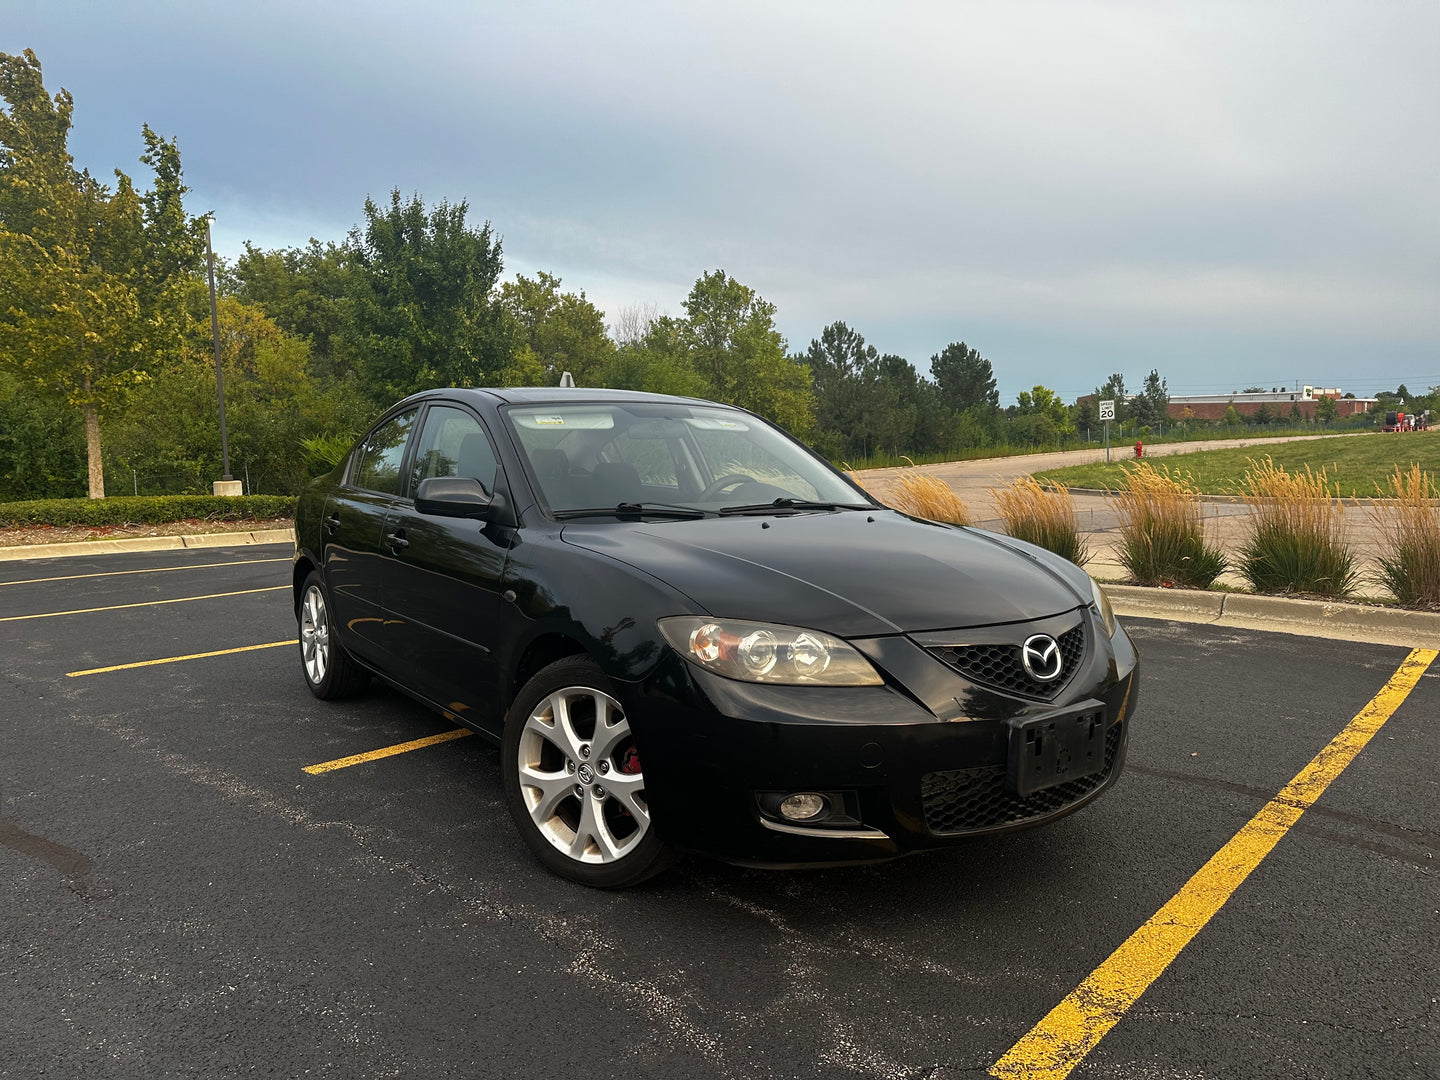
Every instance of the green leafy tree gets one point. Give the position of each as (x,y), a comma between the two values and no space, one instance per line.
(730,339)
(89,277)
(422,307)
(305,290)
(169,433)
(657,361)
(965,378)
(1325,408)
(561,331)
(1042,401)
(1232,416)
(853,403)
(1152,405)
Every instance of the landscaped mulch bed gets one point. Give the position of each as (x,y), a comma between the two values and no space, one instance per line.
(24,535)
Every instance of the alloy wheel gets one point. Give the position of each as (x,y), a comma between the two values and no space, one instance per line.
(315,635)
(580,776)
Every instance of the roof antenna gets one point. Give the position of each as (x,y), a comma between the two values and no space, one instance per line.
(567,379)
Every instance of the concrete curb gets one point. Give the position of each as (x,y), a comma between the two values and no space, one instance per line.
(146,543)
(1281,614)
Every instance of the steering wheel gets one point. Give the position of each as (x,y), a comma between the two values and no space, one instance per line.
(729,480)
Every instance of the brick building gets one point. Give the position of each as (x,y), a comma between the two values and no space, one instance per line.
(1279,400)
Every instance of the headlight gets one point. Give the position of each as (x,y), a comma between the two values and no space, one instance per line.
(1102,604)
(766,653)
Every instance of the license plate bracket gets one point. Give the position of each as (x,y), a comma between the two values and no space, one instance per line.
(1055,748)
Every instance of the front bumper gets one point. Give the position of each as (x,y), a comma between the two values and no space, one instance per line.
(923,757)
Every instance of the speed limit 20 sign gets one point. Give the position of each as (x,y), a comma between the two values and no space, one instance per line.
(1107,409)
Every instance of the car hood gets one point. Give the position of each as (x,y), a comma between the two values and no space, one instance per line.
(850,573)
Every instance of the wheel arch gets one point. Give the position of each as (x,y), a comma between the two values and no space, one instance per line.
(303,568)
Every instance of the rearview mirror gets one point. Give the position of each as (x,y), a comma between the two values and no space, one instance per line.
(454,496)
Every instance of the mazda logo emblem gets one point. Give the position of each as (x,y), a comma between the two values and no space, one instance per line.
(1041,656)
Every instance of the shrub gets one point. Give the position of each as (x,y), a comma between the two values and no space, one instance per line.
(1042,517)
(1162,540)
(1409,527)
(146,509)
(925,496)
(1297,533)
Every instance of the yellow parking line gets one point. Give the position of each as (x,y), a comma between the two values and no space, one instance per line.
(153,570)
(177,659)
(386,751)
(146,603)
(1058,1043)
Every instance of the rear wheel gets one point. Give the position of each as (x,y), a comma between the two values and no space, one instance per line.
(573,779)
(329,671)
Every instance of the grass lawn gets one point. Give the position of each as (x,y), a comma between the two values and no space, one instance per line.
(1356,463)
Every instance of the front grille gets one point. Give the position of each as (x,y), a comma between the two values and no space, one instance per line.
(966,800)
(999,666)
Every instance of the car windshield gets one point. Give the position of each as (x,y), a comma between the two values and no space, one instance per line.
(588,456)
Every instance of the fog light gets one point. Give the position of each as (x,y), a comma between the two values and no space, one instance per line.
(802,807)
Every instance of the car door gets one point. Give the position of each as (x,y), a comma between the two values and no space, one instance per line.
(442,575)
(353,542)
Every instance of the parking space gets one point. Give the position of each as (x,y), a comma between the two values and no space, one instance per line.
(183,897)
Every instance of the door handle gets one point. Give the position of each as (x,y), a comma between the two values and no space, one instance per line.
(332,523)
(397,541)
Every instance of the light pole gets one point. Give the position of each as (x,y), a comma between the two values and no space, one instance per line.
(219,375)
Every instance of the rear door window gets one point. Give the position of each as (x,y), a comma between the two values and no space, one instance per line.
(378,468)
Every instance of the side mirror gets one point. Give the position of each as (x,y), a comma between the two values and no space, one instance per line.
(455,496)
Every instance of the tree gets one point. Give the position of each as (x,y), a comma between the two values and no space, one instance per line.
(852,402)
(1042,401)
(965,378)
(88,277)
(1253,390)
(1232,416)
(563,331)
(306,291)
(1262,415)
(1152,405)
(1325,408)
(423,311)
(730,339)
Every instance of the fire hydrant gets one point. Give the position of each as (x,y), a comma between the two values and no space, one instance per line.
(1139,449)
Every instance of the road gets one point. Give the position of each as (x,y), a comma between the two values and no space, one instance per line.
(182,899)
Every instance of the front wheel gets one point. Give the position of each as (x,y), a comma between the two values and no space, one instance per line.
(329,671)
(573,779)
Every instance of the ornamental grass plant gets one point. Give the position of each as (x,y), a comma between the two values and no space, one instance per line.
(1409,525)
(1296,541)
(923,496)
(1042,517)
(1162,539)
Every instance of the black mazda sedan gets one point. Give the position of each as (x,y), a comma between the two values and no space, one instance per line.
(688,632)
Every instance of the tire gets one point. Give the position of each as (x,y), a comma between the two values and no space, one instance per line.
(329,670)
(573,781)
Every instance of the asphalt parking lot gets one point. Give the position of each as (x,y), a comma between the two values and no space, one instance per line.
(182,898)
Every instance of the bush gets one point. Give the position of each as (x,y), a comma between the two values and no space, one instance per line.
(1297,534)
(1409,561)
(1046,518)
(1162,541)
(926,497)
(146,509)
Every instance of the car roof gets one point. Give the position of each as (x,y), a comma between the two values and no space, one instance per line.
(551,395)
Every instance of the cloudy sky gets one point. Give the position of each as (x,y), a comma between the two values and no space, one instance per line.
(1231,194)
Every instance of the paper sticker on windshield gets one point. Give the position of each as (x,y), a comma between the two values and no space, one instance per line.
(713,423)
(550,420)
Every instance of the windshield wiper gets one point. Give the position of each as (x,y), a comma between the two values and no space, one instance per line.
(632,509)
(792,505)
